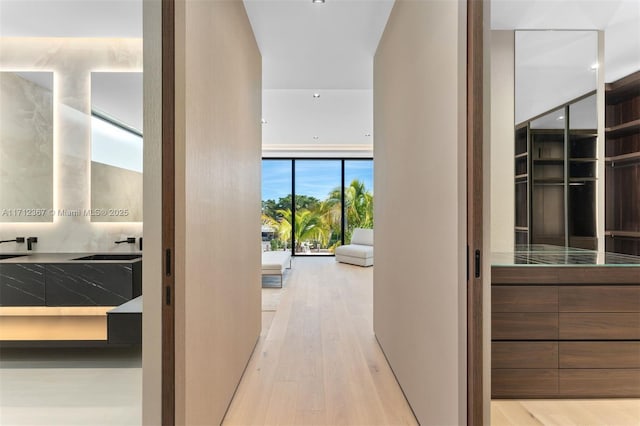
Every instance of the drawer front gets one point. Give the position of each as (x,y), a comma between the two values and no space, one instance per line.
(599,383)
(599,355)
(524,355)
(22,284)
(599,298)
(89,284)
(524,326)
(524,298)
(516,383)
(599,326)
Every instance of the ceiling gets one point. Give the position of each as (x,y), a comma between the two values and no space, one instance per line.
(328,49)
(71,18)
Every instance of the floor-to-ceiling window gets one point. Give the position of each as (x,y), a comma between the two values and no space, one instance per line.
(358,196)
(311,206)
(276,205)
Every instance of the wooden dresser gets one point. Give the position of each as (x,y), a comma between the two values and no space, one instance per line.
(565,330)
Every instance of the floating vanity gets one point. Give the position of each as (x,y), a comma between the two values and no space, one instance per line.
(64,297)
(565,324)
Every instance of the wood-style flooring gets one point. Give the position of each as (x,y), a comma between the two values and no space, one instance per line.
(318,363)
(588,412)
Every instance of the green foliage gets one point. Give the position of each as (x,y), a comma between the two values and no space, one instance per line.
(317,223)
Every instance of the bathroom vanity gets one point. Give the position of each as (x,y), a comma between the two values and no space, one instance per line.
(565,323)
(64,297)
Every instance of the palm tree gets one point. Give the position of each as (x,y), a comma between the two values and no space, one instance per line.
(358,207)
(308,226)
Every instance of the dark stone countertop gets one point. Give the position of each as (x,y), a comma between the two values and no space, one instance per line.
(34,257)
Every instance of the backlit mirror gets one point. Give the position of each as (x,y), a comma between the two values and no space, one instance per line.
(116,146)
(26,146)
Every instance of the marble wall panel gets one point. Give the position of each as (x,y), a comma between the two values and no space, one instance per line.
(26,150)
(72,60)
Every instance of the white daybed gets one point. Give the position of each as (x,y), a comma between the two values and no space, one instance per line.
(275,262)
(360,251)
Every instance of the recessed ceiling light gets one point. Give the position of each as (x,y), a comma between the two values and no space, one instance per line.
(317,1)
(316,95)
(316,138)
(561,117)
(263,121)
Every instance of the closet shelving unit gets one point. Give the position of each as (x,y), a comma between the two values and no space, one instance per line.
(622,165)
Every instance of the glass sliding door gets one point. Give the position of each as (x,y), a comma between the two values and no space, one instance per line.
(276,205)
(318,206)
(358,196)
(311,206)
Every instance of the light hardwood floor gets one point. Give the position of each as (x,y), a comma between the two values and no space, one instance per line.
(318,363)
(609,412)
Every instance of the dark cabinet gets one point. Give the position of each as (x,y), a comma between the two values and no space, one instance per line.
(22,284)
(563,332)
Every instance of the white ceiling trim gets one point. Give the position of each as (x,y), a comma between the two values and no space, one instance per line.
(326,150)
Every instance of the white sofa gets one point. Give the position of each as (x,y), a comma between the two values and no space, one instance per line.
(360,251)
(275,262)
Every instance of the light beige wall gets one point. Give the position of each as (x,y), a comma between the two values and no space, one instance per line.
(218,137)
(420,210)
(502,140)
(71,60)
(152,216)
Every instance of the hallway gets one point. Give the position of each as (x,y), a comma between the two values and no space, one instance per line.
(318,362)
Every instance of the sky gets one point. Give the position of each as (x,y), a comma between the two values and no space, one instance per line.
(316,178)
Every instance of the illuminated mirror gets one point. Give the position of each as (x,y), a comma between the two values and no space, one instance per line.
(26,146)
(116,146)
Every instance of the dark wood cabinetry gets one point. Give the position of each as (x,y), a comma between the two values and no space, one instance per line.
(565,331)
(622,172)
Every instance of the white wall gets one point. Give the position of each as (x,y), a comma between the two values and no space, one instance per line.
(218,163)
(420,210)
(71,60)
(502,140)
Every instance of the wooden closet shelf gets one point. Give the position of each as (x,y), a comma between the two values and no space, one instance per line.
(633,234)
(623,129)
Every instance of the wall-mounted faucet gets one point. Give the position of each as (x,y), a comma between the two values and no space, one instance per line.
(129,240)
(30,241)
(17,240)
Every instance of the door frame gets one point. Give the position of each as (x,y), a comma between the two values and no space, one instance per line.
(474,121)
(168,213)
(475,129)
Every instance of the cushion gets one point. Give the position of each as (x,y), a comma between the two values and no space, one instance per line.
(275,260)
(362,236)
(355,250)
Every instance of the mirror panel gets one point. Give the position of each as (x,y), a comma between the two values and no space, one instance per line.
(116,146)
(552,68)
(26,146)
(556,138)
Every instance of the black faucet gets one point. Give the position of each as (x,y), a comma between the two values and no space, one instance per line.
(129,240)
(17,240)
(30,241)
